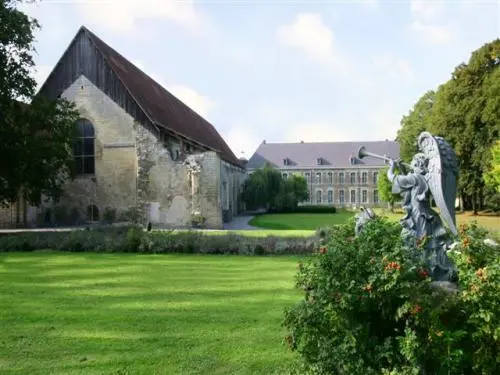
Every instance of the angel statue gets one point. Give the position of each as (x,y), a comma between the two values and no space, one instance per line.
(434,173)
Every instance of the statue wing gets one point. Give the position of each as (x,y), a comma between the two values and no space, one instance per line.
(442,175)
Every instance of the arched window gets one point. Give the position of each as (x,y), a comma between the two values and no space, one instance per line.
(318,196)
(84,147)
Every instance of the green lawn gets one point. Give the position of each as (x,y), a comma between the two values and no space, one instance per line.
(305,222)
(143,314)
(263,232)
(300,221)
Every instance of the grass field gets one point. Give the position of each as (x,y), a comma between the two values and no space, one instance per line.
(143,314)
(305,222)
(300,221)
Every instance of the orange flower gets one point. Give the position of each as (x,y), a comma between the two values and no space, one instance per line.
(481,273)
(423,273)
(416,309)
(393,266)
(465,242)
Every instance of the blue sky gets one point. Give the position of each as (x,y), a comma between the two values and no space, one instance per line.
(283,71)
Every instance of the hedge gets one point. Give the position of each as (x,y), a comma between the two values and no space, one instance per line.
(136,240)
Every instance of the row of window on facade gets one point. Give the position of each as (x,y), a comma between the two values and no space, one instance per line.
(321,161)
(352,179)
(343,198)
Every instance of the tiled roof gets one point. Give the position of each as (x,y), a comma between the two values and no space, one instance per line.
(163,108)
(332,154)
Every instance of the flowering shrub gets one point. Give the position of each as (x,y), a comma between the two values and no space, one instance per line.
(369,307)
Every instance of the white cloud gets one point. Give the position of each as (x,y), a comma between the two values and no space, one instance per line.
(435,34)
(427,22)
(125,15)
(309,34)
(199,103)
(425,9)
(242,139)
(396,68)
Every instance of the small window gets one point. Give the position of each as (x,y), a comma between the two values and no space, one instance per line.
(341,178)
(353,196)
(92,213)
(285,161)
(308,176)
(375,196)
(318,178)
(364,177)
(330,196)
(330,178)
(285,175)
(319,161)
(318,196)
(375,178)
(341,196)
(352,178)
(364,196)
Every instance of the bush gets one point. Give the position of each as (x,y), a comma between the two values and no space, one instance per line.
(134,239)
(369,307)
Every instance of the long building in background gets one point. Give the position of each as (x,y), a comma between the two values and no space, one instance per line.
(334,174)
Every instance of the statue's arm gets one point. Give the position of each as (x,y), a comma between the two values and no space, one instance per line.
(400,182)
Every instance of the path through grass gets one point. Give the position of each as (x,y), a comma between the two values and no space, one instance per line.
(143,314)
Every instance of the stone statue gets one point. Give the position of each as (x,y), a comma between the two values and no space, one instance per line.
(434,174)
(364,216)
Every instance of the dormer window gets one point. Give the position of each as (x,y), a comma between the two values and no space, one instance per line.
(286,161)
(352,160)
(319,161)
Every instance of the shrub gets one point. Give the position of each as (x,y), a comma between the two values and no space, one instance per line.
(134,239)
(369,307)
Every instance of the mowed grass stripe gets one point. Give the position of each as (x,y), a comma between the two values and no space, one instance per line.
(144,314)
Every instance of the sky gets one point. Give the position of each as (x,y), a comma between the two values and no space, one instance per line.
(282,70)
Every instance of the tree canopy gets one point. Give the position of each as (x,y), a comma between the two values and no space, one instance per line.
(36,133)
(465,110)
(266,188)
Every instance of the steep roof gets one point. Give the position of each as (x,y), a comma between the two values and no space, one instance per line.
(332,154)
(161,107)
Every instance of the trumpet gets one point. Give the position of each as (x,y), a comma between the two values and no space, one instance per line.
(362,153)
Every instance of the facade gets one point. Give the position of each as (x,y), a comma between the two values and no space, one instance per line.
(334,173)
(140,151)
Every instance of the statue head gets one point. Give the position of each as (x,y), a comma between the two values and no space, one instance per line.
(365,215)
(419,163)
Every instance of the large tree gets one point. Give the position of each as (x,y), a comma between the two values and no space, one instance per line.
(466,111)
(266,188)
(415,122)
(36,133)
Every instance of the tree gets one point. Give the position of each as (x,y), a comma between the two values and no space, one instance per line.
(466,111)
(266,188)
(36,133)
(415,122)
(492,176)
(384,187)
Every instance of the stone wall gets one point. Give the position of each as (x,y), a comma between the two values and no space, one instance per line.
(231,181)
(114,184)
(136,175)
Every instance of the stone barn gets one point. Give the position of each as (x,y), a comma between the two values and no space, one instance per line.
(140,151)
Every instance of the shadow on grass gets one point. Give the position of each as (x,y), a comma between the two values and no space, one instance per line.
(100,313)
